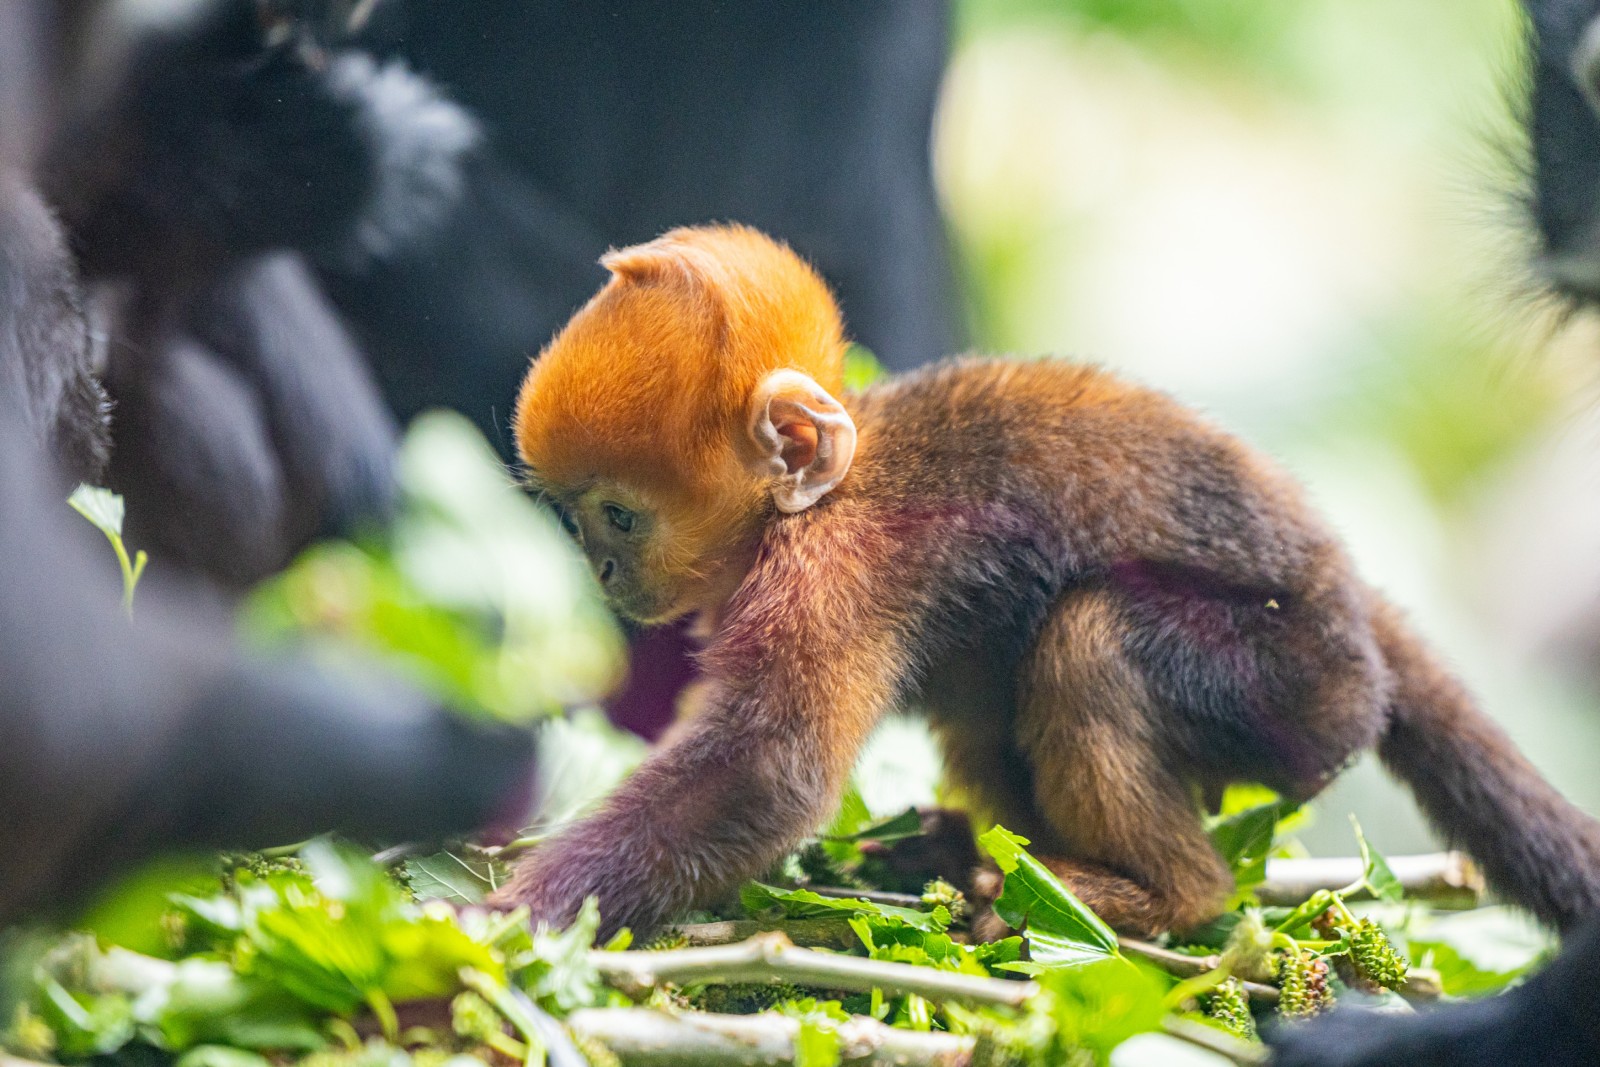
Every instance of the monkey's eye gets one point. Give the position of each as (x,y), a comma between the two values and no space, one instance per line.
(568,523)
(619,517)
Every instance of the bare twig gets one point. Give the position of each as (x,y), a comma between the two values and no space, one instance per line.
(504,852)
(644,1038)
(1422,983)
(773,958)
(1185,966)
(877,896)
(1213,1040)
(816,933)
(1443,879)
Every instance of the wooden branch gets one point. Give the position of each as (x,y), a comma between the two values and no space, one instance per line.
(1213,1040)
(771,958)
(828,933)
(877,896)
(816,933)
(1443,879)
(641,1037)
(1186,966)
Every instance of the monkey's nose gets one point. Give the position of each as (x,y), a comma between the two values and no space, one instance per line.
(606,570)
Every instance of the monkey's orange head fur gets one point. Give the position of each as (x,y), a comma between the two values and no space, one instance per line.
(647,390)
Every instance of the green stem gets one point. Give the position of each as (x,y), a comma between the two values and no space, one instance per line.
(140,558)
(383,1008)
(507,1046)
(130,570)
(1191,988)
(344,1033)
(503,1002)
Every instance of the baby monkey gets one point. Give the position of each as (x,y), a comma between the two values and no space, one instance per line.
(1108,607)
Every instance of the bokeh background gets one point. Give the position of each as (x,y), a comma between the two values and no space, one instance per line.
(1304,218)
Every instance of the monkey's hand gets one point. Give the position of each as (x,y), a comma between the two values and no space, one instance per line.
(716,808)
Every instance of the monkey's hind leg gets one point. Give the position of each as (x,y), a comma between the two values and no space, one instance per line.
(1128,828)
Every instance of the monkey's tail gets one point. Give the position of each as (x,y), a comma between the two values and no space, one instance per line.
(1535,848)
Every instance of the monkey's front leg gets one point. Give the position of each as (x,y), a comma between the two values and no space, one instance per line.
(711,810)
(752,774)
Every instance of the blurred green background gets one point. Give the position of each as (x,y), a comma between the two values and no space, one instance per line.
(1303,217)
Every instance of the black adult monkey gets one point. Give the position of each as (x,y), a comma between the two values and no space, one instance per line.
(118,741)
(46,356)
(200,162)
(1551,1021)
(608,122)
(234,128)
(1563,119)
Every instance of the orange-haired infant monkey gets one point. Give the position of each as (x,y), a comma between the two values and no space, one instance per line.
(1108,607)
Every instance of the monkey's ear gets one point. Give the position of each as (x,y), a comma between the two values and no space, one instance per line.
(802,436)
(654,261)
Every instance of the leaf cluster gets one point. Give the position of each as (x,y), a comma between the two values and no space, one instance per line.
(473,591)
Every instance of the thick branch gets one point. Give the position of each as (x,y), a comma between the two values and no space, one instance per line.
(772,958)
(1443,879)
(644,1038)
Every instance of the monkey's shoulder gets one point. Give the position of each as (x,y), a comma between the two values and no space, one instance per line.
(1092,449)
(1049,400)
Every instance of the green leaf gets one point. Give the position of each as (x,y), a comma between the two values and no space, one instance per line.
(128,914)
(1482,950)
(817,1041)
(895,828)
(207,1002)
(816,1044)
(105,510)
(474,592)
(889,939)
(1061,930)
(1098,1006)
(446,876)
(85,1025)
(1375,870)
(758,897)
(100,506)
(1460,976)
(852,816)
(557,972)
(1244,839)
(221,1056)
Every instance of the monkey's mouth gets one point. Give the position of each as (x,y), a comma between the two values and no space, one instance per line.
(643,606)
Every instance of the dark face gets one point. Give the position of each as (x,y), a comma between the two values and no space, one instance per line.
(1564,130)
(619,532)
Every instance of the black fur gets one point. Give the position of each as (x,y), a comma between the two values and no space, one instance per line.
(608,123)
(46,357)
(1564,136)
(119,741)
(247,424)
(1552,1021)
